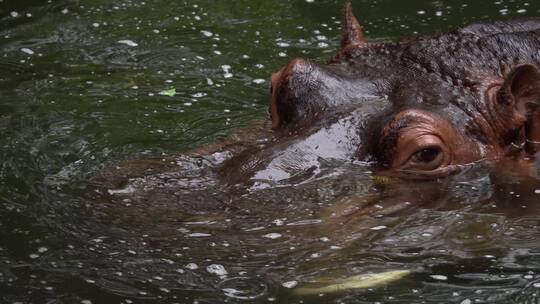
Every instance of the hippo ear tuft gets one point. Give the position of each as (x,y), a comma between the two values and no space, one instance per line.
(353,33)
(521,88)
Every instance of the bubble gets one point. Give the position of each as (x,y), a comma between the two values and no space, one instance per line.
(243,288)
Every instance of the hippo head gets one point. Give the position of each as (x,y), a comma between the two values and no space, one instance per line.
(439,103)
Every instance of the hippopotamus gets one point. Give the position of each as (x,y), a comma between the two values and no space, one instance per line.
(421,108)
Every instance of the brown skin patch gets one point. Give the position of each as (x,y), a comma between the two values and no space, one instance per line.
(533,132)
(422,142)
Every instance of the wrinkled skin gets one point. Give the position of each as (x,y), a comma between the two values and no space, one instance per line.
(424,108)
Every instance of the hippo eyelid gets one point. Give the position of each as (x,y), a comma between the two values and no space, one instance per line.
(390,135)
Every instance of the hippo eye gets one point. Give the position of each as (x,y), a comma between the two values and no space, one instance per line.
(426,159)
(421,153)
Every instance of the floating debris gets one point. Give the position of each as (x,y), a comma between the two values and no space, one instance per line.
(290,284)
(128,42)
(169,92)
(355,282)
(381,181)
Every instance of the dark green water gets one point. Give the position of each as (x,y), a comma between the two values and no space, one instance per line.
(79,92)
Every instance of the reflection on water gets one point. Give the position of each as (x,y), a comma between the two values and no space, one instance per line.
(79,95)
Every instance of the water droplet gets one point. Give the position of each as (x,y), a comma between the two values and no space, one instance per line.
(192,266)
(199,235)
(439,277)
(322,44)
(217,269)
(272,236)
(27,51)
(199,95)
(290,284)
(128,42)
(207,33)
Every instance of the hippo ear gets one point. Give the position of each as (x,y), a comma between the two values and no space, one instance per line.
(353,33)
(521,89)
(519,97)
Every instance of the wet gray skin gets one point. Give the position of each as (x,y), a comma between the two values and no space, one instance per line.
(86,216)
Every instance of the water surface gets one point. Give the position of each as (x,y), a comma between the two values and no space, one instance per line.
(80,85)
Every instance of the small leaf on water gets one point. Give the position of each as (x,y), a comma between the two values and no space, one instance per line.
(381,180)
(169,92)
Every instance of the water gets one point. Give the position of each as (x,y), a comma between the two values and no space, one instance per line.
(86,85)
